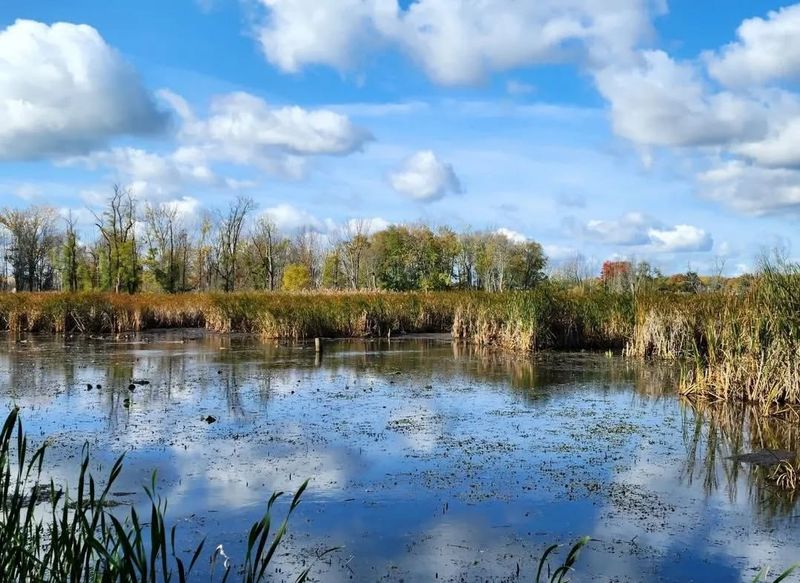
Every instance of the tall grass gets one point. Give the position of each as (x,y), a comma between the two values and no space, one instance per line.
(751,351)
(547,317)
(277,315)
(50,535)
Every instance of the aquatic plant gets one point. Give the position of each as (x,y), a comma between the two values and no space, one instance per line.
(50,534)
(558,574)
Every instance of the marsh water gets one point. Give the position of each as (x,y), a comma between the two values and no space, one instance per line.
(429,460)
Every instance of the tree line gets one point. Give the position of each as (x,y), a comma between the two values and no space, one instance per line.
(135,246)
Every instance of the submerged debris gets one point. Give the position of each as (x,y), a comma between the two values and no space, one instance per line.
(764,457)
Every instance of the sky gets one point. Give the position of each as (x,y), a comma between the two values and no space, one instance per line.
(658,130)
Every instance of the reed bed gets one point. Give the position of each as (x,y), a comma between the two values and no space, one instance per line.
(734,346)
(547,317)
(274,315)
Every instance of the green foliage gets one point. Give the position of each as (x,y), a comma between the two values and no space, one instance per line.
(333,276)
(296,277)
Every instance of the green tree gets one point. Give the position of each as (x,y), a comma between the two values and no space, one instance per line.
(69,256)
(296,277)
(119,261)
(333,276)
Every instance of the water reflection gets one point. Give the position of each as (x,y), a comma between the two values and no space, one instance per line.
(429,458)
(715,433)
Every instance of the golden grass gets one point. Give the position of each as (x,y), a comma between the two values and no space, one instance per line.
(277,315)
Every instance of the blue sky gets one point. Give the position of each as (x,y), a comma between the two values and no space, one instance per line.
(660,130)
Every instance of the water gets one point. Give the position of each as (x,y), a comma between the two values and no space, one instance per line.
(428,460)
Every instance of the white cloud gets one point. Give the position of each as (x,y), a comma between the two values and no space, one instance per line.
(290,218)
(680,238)
(511,235)
(243,129)
(777,150)
(766,50)
(454,41)
(752,189)
(247,123)
(369,226)
(63,91)
(143,165)
(27,191)
(664,103)
(148,174)
(560,253)
(631,229)
(640,230)
(295,33)
(186,207)
(425,177)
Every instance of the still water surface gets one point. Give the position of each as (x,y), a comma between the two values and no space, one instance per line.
(428,460)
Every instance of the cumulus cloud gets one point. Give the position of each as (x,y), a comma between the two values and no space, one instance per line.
(638,229)
(367,226)
(247,123)
(425,177)
(137,164)
(240,129)
(243,129)
(752,189)
(778,149)
(661,102)
(454,41)
(767,49)
(511,235)
(631,229)
(64,91)
(290,218)
(680,238)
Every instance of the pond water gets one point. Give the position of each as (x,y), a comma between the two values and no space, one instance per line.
(429,460)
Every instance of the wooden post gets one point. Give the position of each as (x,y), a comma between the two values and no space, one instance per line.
(317,345)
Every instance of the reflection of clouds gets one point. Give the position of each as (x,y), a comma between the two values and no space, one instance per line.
(239,474)
(419,427)
(412,426)
(687,517)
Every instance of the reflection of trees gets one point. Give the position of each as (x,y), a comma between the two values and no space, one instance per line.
(714,432)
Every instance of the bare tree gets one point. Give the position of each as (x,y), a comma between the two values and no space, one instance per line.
(306,250)
(354,244)
(269,249)
(117,226)
(167,242)
(576,270)
(33,240)
(70,254)
(228,240)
